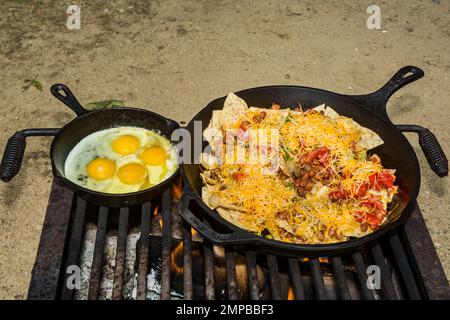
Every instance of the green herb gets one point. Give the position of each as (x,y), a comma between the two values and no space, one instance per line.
(287,152)
(106,104)
(32,83)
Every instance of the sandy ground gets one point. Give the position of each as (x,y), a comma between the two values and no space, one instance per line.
(173,57)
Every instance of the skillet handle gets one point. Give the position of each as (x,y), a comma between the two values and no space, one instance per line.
(376,101)
(431,148)
(15,148)
(63,94)
(233,238)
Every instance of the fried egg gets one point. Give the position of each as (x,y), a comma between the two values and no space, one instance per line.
(121,160)
(131,175)
(118,142)
(159,158)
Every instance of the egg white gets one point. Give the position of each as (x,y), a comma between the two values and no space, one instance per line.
(104,143)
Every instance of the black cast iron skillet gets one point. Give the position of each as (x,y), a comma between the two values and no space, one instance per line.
(368,110)
(68,136)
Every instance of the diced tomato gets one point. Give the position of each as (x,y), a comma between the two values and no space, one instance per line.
(276,106)
(340,194)
(320,154)
(373,203)
(373,220)
(383,179)
(238,175)
(386,179)
(373,179)
(360,216)
(361,189)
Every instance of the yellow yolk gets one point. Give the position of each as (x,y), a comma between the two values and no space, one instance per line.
(132,173)
(154,156)
(125,144)
(101,169)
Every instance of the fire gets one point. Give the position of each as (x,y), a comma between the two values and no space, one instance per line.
(193,232)
(155,214)
(176,253)
(321,260)
(324,260)
(177,190)
(291,295)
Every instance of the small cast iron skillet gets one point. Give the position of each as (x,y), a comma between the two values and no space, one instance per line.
(68,136)
(369,110)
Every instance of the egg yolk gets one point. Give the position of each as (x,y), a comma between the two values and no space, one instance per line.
(101,169)
(125,144)
(154,156)
(132,173)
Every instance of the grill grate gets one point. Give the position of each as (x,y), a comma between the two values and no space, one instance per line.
(147,252)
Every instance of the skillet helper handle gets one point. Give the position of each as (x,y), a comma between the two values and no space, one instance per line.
(431,148)
(15,148)
(63,94)
(376,101)
(233,238)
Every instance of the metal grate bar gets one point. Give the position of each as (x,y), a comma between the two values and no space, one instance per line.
(318,283)
(76,236)
(144,245)
(362,276)
(252,275)
(166,245)
(231,274)
(120,254)
(341,279)
(97,261)
(296,279)
(404,267)
(386,276)
(187,262)
(274,276)
(209,270)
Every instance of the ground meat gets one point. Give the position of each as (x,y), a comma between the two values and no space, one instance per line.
(259,117)
(215,173)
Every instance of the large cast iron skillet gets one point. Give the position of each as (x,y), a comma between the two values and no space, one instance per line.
(84,124)
(368,110)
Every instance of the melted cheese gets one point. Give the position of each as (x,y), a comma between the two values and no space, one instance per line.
(313,218)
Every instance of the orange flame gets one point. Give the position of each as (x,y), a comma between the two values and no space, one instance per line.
(291,295)
(176,253)
(177,190)
(155,211)
(193,232)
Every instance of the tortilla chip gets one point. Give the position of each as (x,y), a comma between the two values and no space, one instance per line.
(205,196)
(327,111)
(369,139)
(233,109)
(213,133)
(233,217)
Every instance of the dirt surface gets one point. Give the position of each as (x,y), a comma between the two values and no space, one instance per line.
(174,57)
